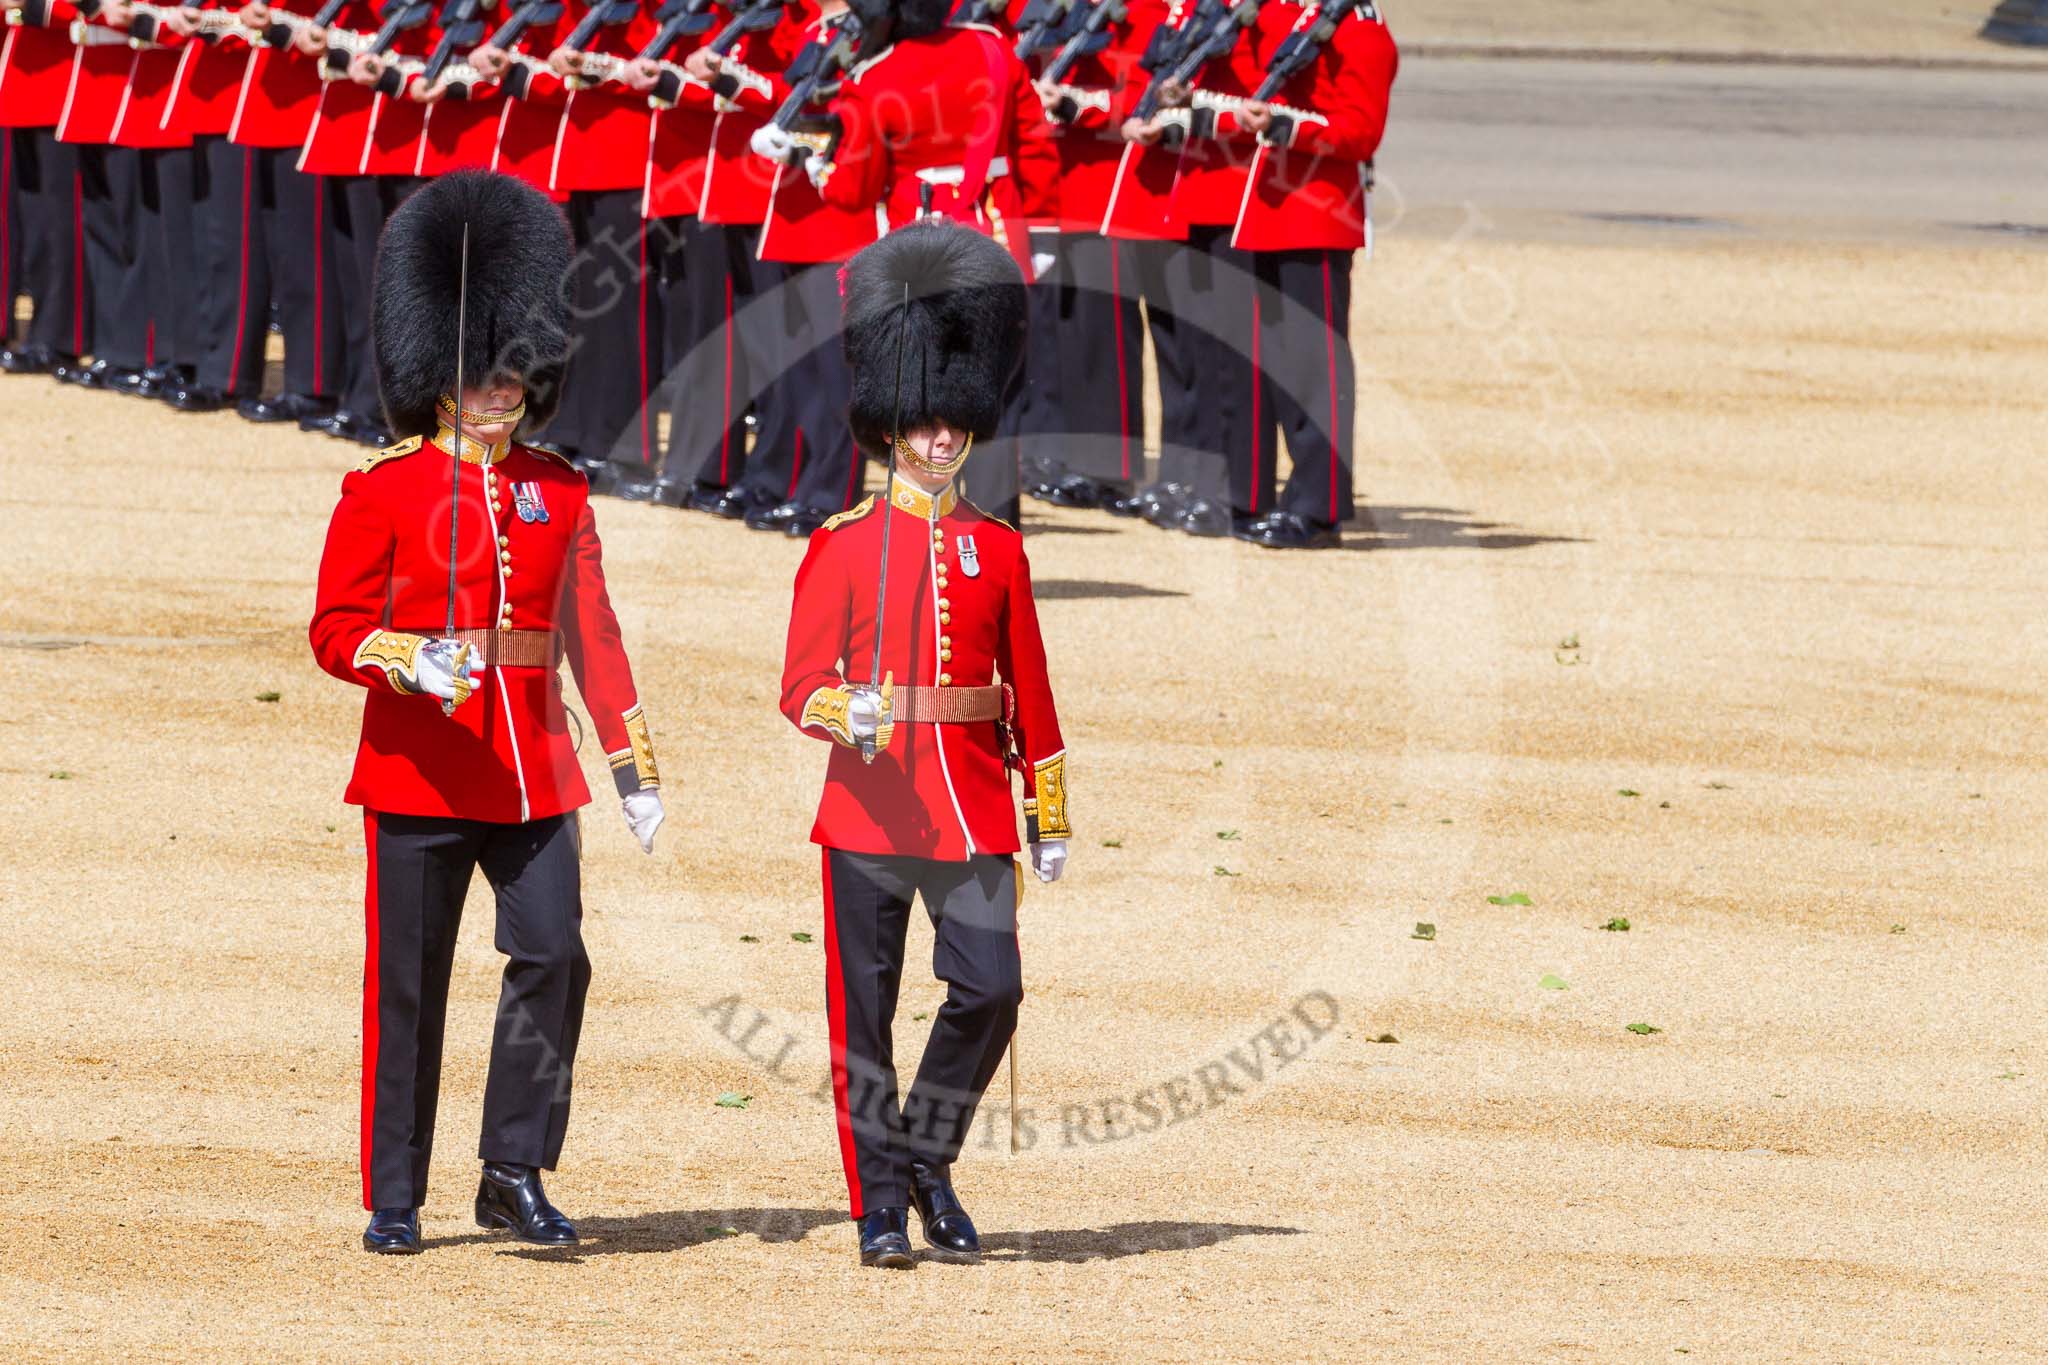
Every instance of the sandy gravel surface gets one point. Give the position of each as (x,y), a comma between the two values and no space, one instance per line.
(1700,587)
(1925,30)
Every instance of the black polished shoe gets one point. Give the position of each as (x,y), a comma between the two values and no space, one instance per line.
(885,1239)
(1205,518)
(67,370)
(1292,531)
(948,1231)
(603,475)
(135,383)
(286,407)
(731,503)
(368,433)
(776,518)
(100,374)
(393,1232)
(1151,503)
(1078,490)
(803,523)
(340,423)
(27,360)
(195,398)
(510,1197)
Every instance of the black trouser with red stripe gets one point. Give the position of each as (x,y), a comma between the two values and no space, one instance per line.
(420,868)
(110,181)
(803,449)
(615,335)
(11,285)
(707,277)
(1096,344)
(50,239)
(1307,382)
(1199,296)
(168,256)
(358,206)
(973,908)
(260,230)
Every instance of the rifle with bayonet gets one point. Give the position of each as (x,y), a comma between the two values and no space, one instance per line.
(285,26)
(148,23)
(462,28)
(1090,38)
(1040,25)
(815,76)
(603,14)
(748,16)
(518,78)
(344,47)
(1177,61)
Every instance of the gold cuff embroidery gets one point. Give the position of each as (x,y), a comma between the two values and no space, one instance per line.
(396,653)
(1050,788)
(827,710)
(642,752)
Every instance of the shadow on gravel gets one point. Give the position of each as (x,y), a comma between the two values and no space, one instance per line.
(1081,589)
(1437,528)
(1118,1241)
(672,1231)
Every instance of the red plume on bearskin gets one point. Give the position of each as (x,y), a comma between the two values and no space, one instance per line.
(518,319)
(962,332)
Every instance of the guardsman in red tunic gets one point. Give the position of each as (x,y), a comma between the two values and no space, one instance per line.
(466,760)
(45,240)
(914,650)
(110,209)
(1303,220)
(287,254)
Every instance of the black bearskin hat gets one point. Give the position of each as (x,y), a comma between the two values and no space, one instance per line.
(916,18)
(518,321)
(877,25)
(962,332)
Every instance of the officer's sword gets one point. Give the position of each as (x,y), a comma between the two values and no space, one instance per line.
(868,746)
(455,479)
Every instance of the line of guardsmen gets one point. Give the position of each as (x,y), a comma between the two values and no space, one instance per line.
(176,178)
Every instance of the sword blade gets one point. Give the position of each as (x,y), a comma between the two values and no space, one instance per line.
(455,476)
(867,748)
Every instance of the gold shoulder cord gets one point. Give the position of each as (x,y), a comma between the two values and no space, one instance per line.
(866,506)
(390,452)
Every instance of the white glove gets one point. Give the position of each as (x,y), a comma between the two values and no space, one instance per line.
(771,142)
(644,816)
(1049,859)
(436,674)
(1042,263)
(864,714)
(817,169)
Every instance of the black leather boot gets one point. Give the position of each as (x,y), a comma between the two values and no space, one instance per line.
(393,1232)
(885,1239)
(510,1197)
(948,1231)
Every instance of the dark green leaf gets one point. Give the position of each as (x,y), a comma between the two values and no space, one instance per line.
(1644,1030)
(801,937)
(1223,871)
(268,696)
(749,938)
(1424,931)
(1617,925)
(1226,834)
(1112,843)
(1386,1038)
(1628,791)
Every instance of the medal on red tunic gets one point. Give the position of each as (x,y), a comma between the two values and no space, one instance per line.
(970,558)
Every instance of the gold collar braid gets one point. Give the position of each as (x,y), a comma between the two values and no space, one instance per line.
(478,419)
(926,506)
(473,450)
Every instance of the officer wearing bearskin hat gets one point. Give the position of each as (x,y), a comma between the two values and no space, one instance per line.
(914,649)
(461,567)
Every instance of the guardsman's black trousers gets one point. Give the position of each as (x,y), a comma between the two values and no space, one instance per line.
(420,868)
(973,908)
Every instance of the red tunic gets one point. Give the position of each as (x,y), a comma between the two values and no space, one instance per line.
(209,82)
(1311,191)
(954,113)
(937,791)
(279,93)
(35,71)
(98,86)
(603,140)
(506,754)
(799,226)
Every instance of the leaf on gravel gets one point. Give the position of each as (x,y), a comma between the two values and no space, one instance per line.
(732,1099)
(1223,871)
(1617,925)
(1217,764)
(1112,843)
(1627,791)
(1512,898)
(801,937)
(1553,982)
(330,829)
(916,1018)
(750,938)
(1226,834)
(1386,1038)
(269,696)
(1898,928)
(1717,786)
(60,776)
(1644,1030)
(1569,642)
(721,1232)
(1423,931)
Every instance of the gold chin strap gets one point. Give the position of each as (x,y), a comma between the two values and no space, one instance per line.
(481,419)
(929,465)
